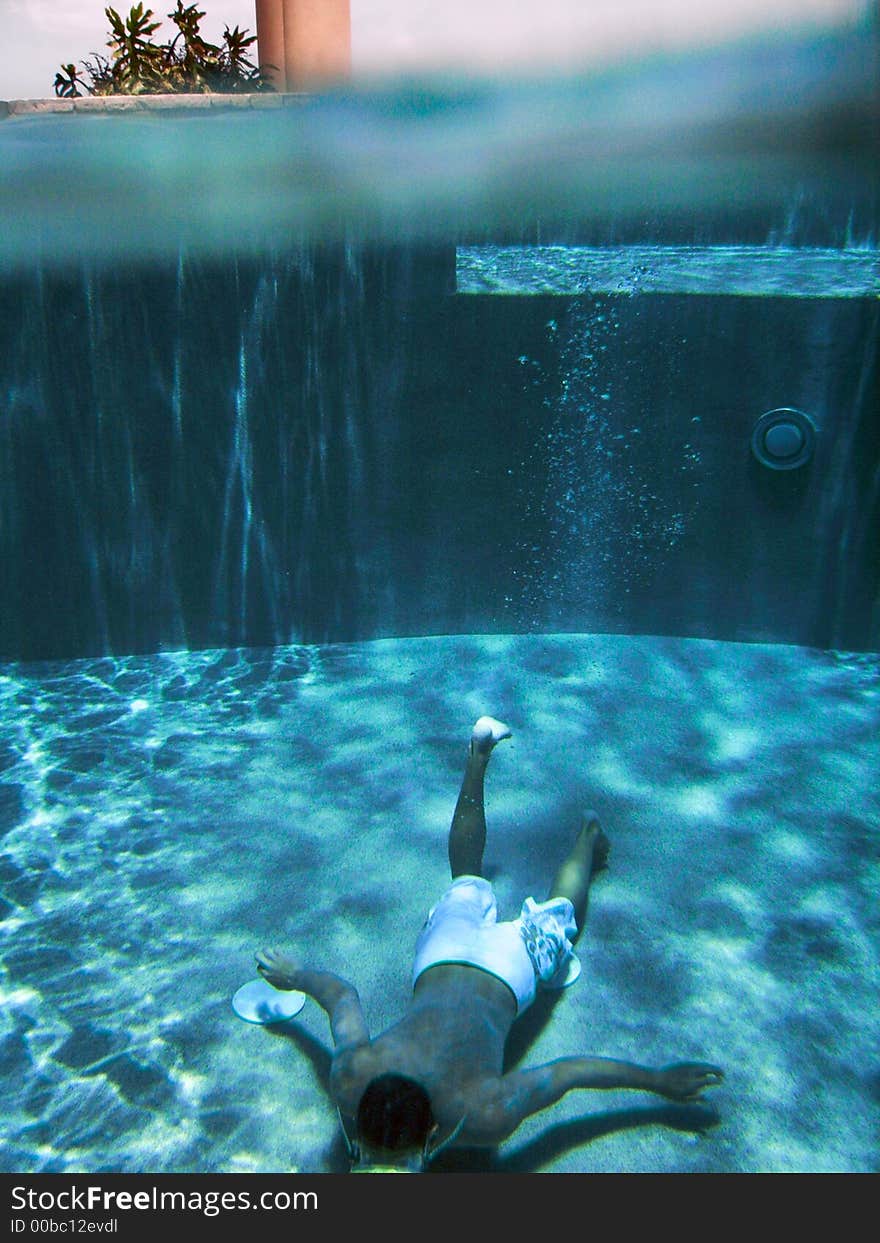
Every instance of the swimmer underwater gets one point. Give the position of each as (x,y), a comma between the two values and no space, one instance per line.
(435,1079)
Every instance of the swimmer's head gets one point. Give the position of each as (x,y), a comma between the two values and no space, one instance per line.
(395,1126)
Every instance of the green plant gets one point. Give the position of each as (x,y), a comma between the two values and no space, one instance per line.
(187,63)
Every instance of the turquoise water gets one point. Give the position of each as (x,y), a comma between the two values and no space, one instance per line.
(203,412)
(165,816)
(761,143)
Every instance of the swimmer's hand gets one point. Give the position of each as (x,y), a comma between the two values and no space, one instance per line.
(333,994)
(686,1081)
(277,970)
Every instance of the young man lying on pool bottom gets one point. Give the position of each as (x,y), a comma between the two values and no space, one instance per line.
(436,1077)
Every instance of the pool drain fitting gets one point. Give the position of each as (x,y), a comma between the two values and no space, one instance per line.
(783,439)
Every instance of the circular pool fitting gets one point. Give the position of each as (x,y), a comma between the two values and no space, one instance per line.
(783,439)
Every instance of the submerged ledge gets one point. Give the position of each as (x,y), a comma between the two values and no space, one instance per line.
(779,272)
(97,104)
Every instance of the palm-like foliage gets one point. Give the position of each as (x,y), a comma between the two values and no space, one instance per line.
(188,63)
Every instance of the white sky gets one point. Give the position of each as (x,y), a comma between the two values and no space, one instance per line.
(418,36)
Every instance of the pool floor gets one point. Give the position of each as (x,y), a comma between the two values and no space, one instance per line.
(163,817)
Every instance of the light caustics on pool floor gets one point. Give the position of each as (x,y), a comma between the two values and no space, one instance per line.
(163,816)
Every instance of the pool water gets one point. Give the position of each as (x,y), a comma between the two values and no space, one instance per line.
(330,427)
(165,816)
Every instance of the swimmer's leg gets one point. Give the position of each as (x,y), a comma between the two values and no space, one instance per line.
(467,835)
(588,856)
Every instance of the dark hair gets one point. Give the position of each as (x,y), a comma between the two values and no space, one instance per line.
(395,1114)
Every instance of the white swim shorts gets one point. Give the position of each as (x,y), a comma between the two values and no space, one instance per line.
(535,948)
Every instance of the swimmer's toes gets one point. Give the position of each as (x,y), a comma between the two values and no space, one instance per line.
(601,851)
(601,844)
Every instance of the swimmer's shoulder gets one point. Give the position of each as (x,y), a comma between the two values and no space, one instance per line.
(352,1069)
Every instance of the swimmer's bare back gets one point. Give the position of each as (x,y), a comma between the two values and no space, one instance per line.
(451,1040)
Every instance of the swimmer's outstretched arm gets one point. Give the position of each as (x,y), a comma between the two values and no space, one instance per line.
(333,994)
(526,1092)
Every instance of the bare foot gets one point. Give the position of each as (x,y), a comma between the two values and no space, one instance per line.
(601,844)
(486,733)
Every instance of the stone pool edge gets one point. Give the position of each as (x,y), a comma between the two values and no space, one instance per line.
(101,104)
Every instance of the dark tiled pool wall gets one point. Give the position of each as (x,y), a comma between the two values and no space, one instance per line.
(330,445)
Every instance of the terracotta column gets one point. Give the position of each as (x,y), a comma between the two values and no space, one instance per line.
(308,42)
(317,42)
(270,41)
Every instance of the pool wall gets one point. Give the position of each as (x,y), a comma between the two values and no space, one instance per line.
(332,444)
